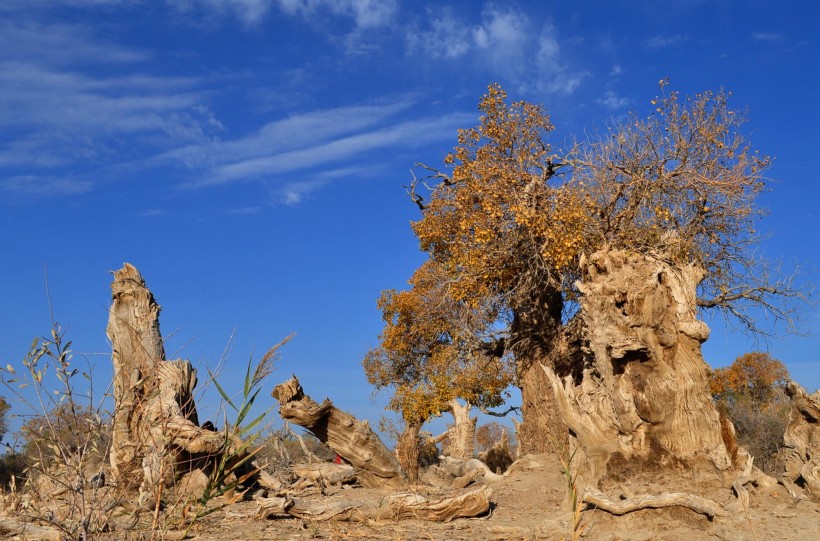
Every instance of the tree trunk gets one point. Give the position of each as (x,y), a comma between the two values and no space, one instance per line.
(535,331)
(156,436)
(801,451)
(407,450)
(541,429)
(353,440)
(642,394)
(462,433)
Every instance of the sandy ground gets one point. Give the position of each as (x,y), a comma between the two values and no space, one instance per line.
(532,503)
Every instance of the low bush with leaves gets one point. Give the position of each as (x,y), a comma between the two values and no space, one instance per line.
(65,441)
(749,392)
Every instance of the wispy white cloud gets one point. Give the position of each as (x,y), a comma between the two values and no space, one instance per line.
(612,101)
(285,135)
(661,42)
(296,187)
(445,36)
(62,111)
(338,150)
(44,186)
(249,12)
(502,42)
(61,44)
(365,14)
(766,36)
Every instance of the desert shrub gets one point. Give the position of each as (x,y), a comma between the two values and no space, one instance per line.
(67,429)
(493,446)
(13,466)
(749,392)
(281,448)
(759,430)
(4,409)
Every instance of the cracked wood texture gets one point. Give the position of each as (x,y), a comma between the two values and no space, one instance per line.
(156,429)
(464,504)
(353,440)
(801,450)
(639,387)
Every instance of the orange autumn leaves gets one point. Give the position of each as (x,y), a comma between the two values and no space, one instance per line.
(430,349)
(755,377)
(512,216)
(499,215)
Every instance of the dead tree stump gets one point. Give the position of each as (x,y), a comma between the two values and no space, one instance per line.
(801,451)
(156,430)
(353,440)
(639,387)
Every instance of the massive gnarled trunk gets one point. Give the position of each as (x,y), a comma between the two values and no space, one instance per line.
(156,438)
(642,391)
(801,451)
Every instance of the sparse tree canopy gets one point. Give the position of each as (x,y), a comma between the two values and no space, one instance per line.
(506,227)
(754,377)
(435,348)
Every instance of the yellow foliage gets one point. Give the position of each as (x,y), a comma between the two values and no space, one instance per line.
(754,376)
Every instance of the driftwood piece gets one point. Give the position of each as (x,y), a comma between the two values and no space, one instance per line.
(13,530)
(405,505)
(640,386)
(156,434)
(325,471)
(802,440)
(353,440)
(668,499)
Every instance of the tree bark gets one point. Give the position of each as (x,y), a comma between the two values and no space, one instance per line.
(156,438)
(801,451)
(353,440)
(535,332)
(462,432)
(642,389)
(408,451)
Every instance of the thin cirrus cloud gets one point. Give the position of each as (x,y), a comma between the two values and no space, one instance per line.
(334,152)
(503,42)
(58,109)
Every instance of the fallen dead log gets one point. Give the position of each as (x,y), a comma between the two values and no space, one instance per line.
(404,505)
(654,501)
(326,471)
(353,440)
(13,529)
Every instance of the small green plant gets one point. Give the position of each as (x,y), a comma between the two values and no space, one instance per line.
(578,526)
(234,466)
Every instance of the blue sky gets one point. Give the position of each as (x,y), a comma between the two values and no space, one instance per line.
(248,156)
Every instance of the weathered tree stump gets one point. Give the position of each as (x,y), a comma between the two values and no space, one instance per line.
(156,435)
(353,440)
(801,451)
(639,385)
